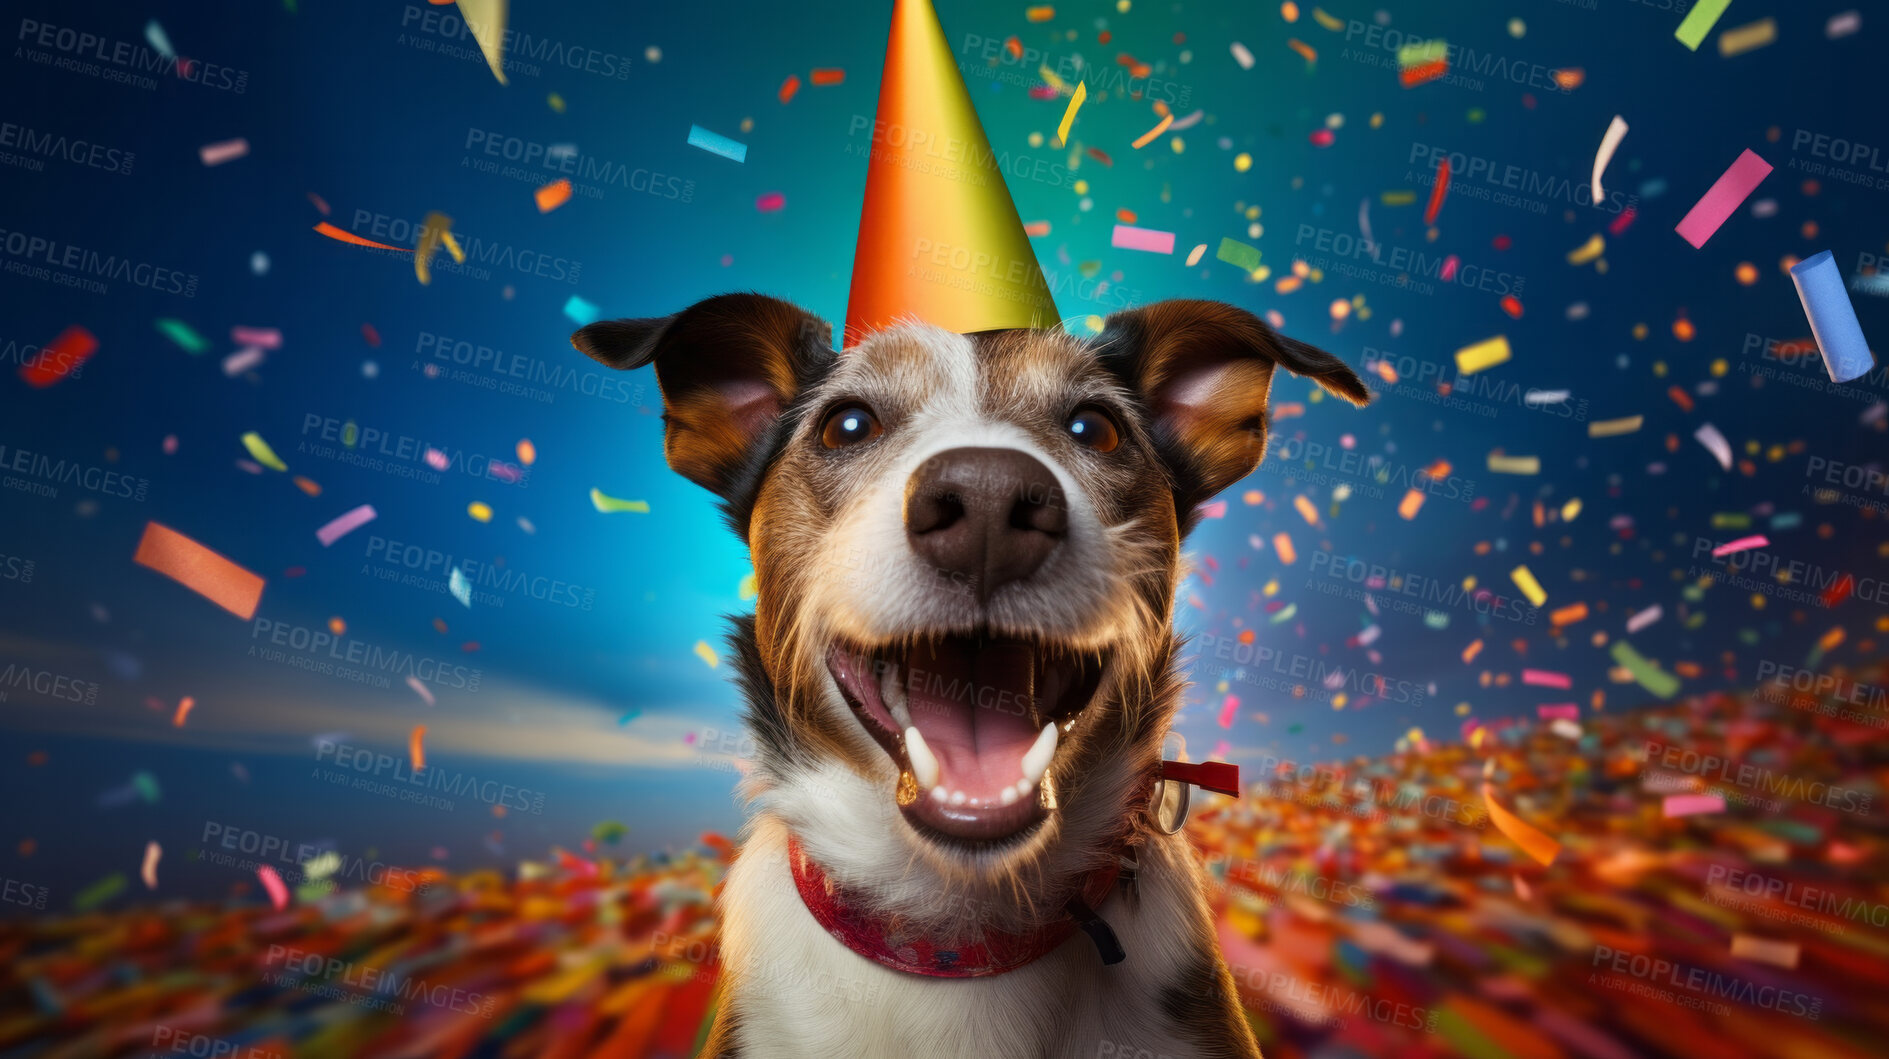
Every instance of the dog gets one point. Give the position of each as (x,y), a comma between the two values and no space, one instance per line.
(962,666)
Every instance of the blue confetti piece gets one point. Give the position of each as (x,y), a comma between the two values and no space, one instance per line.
(715,143)
(461,588)
(581,311)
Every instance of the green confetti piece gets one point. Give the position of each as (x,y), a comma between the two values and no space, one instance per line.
(179,332)
(608,504)
(1650,676)
(147,787)
(609,831)
(1419,52)
(100,892)
(263,454)
(1731,520)
(1234,252)
(1699,21)
(1286,613)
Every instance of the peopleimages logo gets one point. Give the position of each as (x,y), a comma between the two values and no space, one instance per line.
(453,25)
(1350,463)
(366,445)
(1387,583)
(46,684)
(1313,671)
(1712,768)
(1469,173)
(353,652)
(40,470)
(37,257)
(398,555)
(1447,269)
(584,168)
(35,145)
(129,57)
(399,230)
(520,374)
(388,767)
(1436,383)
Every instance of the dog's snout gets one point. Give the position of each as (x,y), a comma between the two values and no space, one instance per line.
(992,515)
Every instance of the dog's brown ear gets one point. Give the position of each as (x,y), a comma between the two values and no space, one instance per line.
(1203,370)
(727,367)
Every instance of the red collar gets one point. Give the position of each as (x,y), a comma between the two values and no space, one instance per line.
(887,941)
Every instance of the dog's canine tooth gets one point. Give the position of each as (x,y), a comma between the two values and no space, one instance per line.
(1009,796)
(1036,759)
(924,762)
(893,693)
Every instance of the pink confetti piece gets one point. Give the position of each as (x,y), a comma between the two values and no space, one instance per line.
(1221,749)
(226,151)
(1758,540)
(1541,678)
(1715,443)
(266,337)
(504,472)
(1129,237)
(420,689)
(1217,509)
(345,525)
(1644,618)
(1450,265)
(1725,195)
(1559,711)
(170,444)
(1228,710)
(772,202)
(278,893)
(241,361)
(152,852)
(1677,805)
(436,459)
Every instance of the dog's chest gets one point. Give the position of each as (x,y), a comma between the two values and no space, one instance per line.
(795,991)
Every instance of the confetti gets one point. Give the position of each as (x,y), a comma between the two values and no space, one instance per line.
(184,706)
(262,453)
(152,854)
(226,151)
(345,524)
(1238,254)
(1648,675)
(1519,831)
(1145,138)
(1128,237)
(1482,355)
(271,882)
(1616,131)
(179,332)
(1644,618)
(1514,464)
(1724,196)
(610,503)
(1194,255)
(1041,13)
(1282,544)
(1748,37)
(61,357)
(419,688)
(824,77)
(581,311)
(788,88)
(1842,25)
(241,361)
(1559,711)
(553,195)
(1832,317)
(1765,950)
(486,21)
(1525,580)
(432,233)
(344,236)
(1422,73)
(1541,678)
(1309,53)
(1069,113)
(1677,805)
(1715,443)
(199,569)
(1228,710)
(480,511)
(1217,509)
(1411,504)
(1742,544)
(1438,191)
(261,337)
(706,653)
(416,747)
(461,588)
(770,202)
(1242,56)
(99,892)
(1608,428)
(1699,22)
(1588,251)
(159,39)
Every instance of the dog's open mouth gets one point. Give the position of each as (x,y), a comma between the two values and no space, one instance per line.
(972,723)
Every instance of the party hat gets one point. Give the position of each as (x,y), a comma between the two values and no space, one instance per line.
(939,239)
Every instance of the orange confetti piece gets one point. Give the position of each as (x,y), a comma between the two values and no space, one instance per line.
(789,87)
(1283,545)
(1470,652)
(1411,504)
(1306,509)
(1125,216)
(199,569)
(1014,47)
(1412,76)
(1680,398)
(416,747)
(307,486)
(1569,614)
(553,195)
(60,357)
(1521,832)
(1310,53)
(527,452)
(1036,229)
(827,76)
(184,707)
(344,236)
(1148,137)
(1512,305)
(1039,14)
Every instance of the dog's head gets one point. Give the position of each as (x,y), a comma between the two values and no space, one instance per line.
(967,549)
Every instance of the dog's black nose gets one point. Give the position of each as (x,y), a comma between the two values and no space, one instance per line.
(992,515)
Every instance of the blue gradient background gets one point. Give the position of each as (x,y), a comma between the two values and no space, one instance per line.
(342,103)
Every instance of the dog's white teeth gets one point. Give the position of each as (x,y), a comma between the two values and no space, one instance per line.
(892,693)
(1009,796)
(1036,759)
(1023,787)
(939,794)
(958,797)
(924,762)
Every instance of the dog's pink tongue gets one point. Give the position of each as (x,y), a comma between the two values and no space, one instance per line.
(971,701)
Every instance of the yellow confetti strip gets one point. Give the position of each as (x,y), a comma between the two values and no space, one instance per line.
(1570,509)
(435,227)
(263,454)
(610,503)
(480,510)
(1749,37)
(486,20)
(1588,251)
(1525,580)
(1069,114)
(1485,354)
(1514,464)
(1607,428)
(749,587)
(1049,78)
(1521,832)
(706,653)
(1330,22)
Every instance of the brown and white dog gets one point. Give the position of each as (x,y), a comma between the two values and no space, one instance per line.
(961,668)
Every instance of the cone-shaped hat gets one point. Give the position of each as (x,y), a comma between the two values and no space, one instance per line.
(939,238)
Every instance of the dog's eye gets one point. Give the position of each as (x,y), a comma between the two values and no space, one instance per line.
(849,425)
(1093,429)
